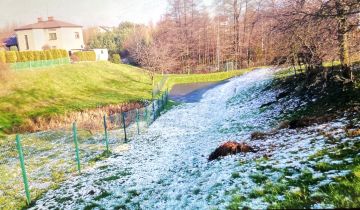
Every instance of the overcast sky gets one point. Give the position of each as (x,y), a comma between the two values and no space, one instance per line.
(83,12)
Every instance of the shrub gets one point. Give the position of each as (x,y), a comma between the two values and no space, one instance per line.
(42,55)
(91,56)
(48,54)
(17,56)
(85,55)
(115,58)
(75,58)
(54,53)
(10,56)
(30,56)
(46,47)
(37,55)
(64,54)
(78,55)
(2,56)
(22,56)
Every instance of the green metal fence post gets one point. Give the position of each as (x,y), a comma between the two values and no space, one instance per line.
(124,125)
(76,147)
(158,107)
(106,135)
(146,116)
(167,95)
(163,100)
(153,110)
(23,170)
(137,121)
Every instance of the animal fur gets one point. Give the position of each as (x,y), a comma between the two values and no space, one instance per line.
(230,148)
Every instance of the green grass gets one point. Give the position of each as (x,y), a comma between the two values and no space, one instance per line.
(297,192)
(47,92)
(68,88)
(343,192)
(174,79)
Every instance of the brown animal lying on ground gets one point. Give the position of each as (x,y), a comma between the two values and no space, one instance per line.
(230,148)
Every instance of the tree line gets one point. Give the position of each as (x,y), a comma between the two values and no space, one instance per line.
(231,34)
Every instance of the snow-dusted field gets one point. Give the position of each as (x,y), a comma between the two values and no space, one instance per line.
(167,167)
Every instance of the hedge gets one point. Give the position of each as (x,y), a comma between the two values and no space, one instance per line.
(10,56)
(2,56)
(48,55)
(115,58)
(24,56)
(85,55)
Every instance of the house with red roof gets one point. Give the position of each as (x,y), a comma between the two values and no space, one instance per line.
(50,33)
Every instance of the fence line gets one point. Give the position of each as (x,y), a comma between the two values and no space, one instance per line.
(86,150)
(39,63)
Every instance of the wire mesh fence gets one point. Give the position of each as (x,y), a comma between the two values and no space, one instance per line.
(39,64)
(31,164)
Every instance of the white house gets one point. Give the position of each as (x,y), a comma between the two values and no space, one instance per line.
(50,33)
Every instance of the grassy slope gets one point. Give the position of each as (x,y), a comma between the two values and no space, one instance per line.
(192,78)
(54,91)
(50,91)
(343,191)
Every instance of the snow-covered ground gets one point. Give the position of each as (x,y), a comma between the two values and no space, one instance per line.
(167,167)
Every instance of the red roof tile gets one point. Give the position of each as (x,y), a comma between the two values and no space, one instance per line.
(52,23)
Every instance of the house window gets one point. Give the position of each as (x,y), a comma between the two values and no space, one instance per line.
(52,36)
(77,35)
(27,42)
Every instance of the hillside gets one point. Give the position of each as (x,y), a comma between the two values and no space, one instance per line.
(53,91)
(28,95)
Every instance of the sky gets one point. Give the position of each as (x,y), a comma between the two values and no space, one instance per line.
(83,12)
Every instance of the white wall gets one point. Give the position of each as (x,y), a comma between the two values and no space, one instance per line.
(68,40)
(37,38)
(101,54)
(20,35)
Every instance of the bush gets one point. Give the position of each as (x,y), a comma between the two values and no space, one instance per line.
(37,55)
(30,56)
(42,55)
(22,56)
(46,47)
(48,54)
(91,56)
(115,58)
(17,56)
(64,54)
(10,56)
(75,58)
(85,55)
(78,55)
(55,53)
(2,56)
